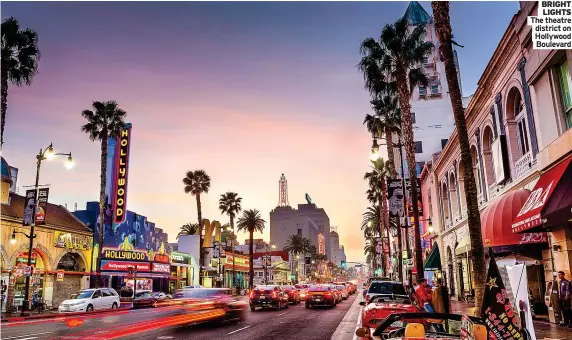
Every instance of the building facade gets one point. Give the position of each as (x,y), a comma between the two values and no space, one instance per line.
(286,222)
(519,123)
(61,256)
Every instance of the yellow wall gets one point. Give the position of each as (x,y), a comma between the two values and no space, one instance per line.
(43,243)
(5,191)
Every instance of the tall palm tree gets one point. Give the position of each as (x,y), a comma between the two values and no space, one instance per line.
(444,33)
(230,204)
(397,55)
(104,122)
(188,229)
(252,222)
(20,56)
(370,252)
(386,106)
(198,182)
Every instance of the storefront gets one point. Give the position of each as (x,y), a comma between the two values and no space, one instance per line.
(60,259)
(549,209)
(184,271)
(241,268)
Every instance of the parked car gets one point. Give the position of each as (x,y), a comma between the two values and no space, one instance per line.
(88,300)
(377,308)
(386,288)
(270,296)
(293,294)
(320,295)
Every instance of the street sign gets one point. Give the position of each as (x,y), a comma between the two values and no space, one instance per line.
(408,262)
(27,270)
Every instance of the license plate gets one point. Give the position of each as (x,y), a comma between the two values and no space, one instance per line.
(318,299)
(262,297)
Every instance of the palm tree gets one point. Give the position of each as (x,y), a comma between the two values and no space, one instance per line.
(397,56)
(386,106)
(188,229)
(370,252)
(20,56)
(444,34)
(196,183)
(252,222)
(104,122)
(297,245)
(230,204)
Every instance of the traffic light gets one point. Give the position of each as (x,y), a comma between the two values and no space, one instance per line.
(292,277)
(343,264)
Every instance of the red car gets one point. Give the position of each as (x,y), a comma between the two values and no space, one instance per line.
(321,295)
(270,296)
(302,289)
(293,294)
(380,307)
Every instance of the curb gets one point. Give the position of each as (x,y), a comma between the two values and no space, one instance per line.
(60,315)
(346,328)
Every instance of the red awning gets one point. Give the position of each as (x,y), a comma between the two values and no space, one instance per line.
(529,216)
(497,218)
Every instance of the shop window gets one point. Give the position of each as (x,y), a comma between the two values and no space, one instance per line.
(418,147)
(565,81)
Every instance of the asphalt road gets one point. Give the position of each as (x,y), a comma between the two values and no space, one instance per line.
(295,322)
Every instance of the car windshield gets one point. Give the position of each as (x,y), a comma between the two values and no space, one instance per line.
(386,288)
(340,287)
(84,294)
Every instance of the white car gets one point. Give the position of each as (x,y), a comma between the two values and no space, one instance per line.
(89,300)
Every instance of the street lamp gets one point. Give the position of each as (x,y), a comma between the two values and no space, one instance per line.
(44,154)
(265,260)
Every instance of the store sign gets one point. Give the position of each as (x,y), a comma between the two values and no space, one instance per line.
(22,259)
(120,185)
(124,255)
(162,258)
(179,258)
(161,268)
(72,241)
(59,275)
(124,266)
(237,260)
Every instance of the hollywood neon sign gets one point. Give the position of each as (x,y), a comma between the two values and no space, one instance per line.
(120,185)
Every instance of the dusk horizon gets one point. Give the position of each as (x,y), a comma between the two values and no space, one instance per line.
(245,91)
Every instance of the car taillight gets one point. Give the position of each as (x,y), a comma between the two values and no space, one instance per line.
(275,294)
(328,294)
(251,295)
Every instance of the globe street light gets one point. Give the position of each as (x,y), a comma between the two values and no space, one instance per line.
(44,154)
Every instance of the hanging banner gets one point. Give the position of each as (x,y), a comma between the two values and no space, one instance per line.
(395,197)
(321,244)
(29,205)
(501,319)
(59,275)
(41,206)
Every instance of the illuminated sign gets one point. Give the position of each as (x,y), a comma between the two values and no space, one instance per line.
(179,258)
(161,268)
(124,266)
(237,260)
(321,244)
(120,184)
(71,241)
(162,258)
(124,255)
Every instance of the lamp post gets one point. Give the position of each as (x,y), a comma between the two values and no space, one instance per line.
(44,154)
(265,257)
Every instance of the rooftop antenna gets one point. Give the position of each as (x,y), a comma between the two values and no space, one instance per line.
(283,192)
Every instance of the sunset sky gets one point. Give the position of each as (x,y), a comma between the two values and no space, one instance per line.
(245,91)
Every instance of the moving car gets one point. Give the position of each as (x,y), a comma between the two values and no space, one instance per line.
(293,294)
(159,296)
(302,289)
(343,291)
(203,299)
(418,326)
(88,300)
(336,292)
(270,296)
(379,307)
(320,295)
(386,288)
(143,298)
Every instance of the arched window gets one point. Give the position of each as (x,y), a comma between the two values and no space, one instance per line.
(488,156)
(516,111)
(445,203)
(477,170)
(453,197)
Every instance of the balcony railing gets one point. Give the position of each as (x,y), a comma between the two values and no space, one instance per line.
(524,165)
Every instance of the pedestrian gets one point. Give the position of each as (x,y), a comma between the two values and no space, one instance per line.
(424,296)
(441,303)
(564,296)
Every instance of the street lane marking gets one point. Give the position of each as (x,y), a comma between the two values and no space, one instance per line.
(281,314)
(238,330)
(19,336)
(164,337)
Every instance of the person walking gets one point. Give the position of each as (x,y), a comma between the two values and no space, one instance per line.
(441,303)
(564,297)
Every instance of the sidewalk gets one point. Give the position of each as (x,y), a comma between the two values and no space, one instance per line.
(542,328)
